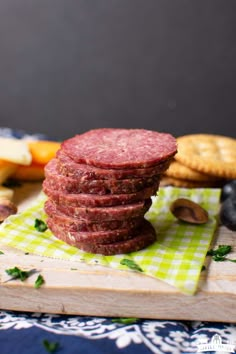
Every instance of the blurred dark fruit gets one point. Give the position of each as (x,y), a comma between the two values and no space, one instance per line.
(229,190)
(228,213)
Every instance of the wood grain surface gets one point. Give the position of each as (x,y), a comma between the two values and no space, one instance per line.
(76,288)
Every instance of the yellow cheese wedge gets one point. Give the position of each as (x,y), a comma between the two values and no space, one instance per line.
(6,170)
(6,193)
(14,150)
(43,151)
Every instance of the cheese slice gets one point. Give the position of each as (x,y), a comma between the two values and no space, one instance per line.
(6,193)
(6,170)
(14,150)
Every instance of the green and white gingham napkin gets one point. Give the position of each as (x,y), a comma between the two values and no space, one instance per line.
(176,257)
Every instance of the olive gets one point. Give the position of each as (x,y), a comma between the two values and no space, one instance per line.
(228,190)
(228,213)
(7,208)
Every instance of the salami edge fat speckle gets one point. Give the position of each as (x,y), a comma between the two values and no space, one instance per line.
(95,186)
(103,237)
(78,224)
(69,168)
(116,212)
(145,236)
(95,200)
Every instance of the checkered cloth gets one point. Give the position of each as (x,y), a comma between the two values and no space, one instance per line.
(176,257)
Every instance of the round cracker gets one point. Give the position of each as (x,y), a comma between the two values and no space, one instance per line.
(211,154)
(178,170)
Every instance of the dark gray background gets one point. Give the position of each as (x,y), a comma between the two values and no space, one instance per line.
(67,66)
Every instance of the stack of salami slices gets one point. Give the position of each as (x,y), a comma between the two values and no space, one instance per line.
(99,187)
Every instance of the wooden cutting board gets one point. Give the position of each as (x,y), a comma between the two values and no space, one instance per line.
(77,288)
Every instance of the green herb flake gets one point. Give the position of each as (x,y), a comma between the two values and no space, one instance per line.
(131,264)
(39,281)
(73,268)
(218,258)
(219,254)
(51,347)
(1,252)
(222,250)
(129,320)
(40,225)
(17,273)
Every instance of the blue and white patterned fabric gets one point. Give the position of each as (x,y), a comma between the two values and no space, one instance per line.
(19,134)
(25,333)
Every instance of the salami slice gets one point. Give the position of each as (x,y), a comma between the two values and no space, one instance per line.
(67,167)
(117,212)
(145,237)
(100,187)
(94,200)
(81,225)
(103,237)
(120,148)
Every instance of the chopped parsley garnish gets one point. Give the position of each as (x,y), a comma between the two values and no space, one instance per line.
(51,347)
(219,254)
(39,281)
(17,273)
(128,320)
(222,250)
(1,252)
(131,264)
(40,225)
(217,258)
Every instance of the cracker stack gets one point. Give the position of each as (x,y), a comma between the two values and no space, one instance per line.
(202,160)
